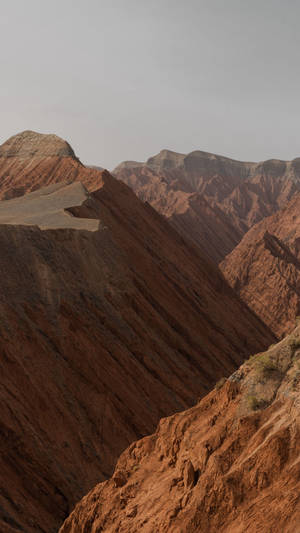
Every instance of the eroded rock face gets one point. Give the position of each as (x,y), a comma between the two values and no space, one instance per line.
(210,199)
(30,144)
(230,464)
(264,268)
(30,160)
(102,333)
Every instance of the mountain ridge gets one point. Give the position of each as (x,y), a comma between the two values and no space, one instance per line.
(101,334)
(212,200)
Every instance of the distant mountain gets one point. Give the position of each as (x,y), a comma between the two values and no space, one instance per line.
(210,199)
(109,320)
(95,167)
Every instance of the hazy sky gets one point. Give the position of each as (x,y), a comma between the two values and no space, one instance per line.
(122,79)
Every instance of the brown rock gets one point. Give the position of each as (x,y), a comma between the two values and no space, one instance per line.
(264,268)
(210,199)
(251,480)
(120,478)
(30,160)
(107,323)
(188,475)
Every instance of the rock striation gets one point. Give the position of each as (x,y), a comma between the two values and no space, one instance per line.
(109,320)
(210,199)
(264,268)
(229,464)
(30,160)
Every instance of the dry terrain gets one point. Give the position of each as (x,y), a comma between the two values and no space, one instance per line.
(109,320)
(210,199)
(230,464)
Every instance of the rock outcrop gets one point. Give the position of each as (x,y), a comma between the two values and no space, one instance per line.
(30,160)
(229,464)
(210,199)
(107,323)
(264,268)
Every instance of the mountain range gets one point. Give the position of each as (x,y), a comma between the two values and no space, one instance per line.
(210,199)
(149,355)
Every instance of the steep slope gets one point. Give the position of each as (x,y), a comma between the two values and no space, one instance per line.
(230,464)
(265,268)
(211,199)
(107,323)
(195,217)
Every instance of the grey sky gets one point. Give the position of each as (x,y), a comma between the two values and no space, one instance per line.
(122,79)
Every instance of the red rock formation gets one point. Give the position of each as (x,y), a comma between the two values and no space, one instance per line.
(265,268)
(102,331)
(211,199)
(230,464)
(30,160)
(196,217)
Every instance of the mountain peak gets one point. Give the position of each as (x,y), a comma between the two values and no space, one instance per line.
(33,144)
(166,159)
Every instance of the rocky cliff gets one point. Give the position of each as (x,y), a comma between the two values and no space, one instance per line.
(109,320)
(264,268)
(229,464)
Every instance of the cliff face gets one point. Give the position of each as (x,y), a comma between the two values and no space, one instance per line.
(212,200)
(109,320)
(230,464)
(265,270)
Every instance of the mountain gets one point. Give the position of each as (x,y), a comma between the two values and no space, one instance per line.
(30,160)
(109,320)
(210,199)
(264,268)
(229,464)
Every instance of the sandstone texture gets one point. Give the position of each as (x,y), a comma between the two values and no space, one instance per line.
(30,160)
(107,323)
(230,464)
(264,268)
(210,199)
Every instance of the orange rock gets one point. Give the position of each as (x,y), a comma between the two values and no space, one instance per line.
(247,463)
(264,268)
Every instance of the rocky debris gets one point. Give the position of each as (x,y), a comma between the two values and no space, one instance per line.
(102,333)
(246,461)
(264,268)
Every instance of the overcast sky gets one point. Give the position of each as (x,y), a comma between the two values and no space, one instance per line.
(122,79)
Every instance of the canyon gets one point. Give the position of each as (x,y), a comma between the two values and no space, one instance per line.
(109,321)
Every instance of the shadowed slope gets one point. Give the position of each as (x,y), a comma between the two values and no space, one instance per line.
(101,334)
(264,268)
